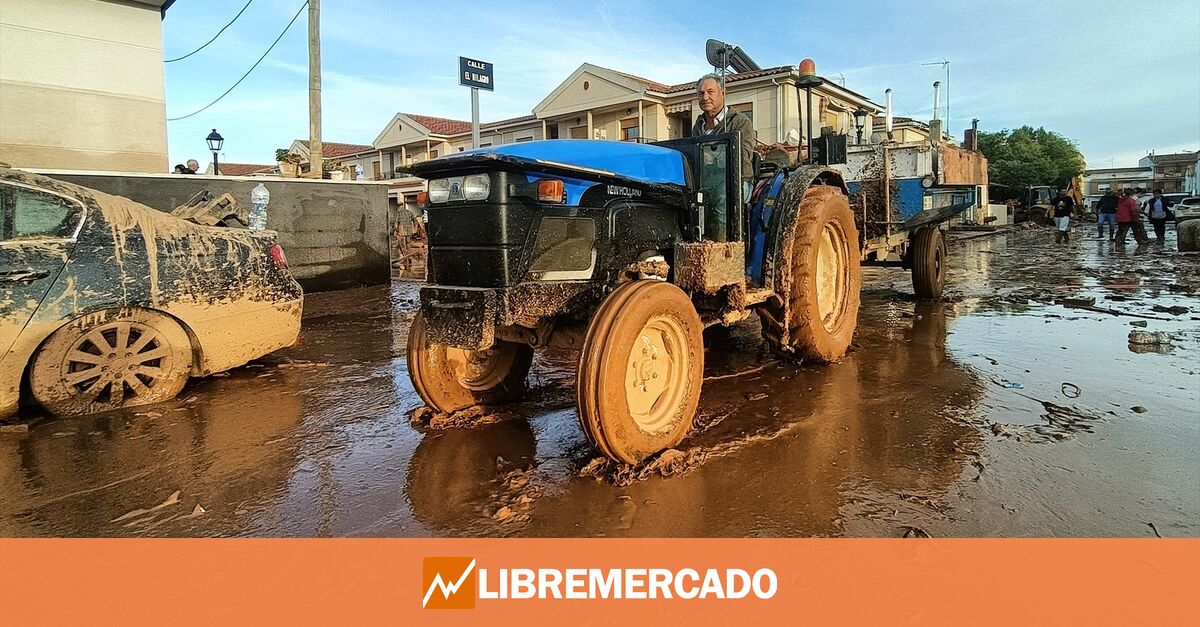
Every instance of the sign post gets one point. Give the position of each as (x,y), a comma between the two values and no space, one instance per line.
(476,75)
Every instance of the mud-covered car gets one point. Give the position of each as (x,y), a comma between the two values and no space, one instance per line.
(106,303)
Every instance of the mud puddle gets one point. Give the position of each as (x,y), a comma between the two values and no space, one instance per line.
(1005,410)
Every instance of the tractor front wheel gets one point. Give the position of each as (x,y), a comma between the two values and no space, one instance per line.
(449,379)
(640,371)
(815,313)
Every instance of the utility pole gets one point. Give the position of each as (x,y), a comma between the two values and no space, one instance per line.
(315,153)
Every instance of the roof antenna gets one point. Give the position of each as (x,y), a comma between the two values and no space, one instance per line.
(723,56)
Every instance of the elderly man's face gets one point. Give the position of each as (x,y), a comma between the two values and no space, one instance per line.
(712,99)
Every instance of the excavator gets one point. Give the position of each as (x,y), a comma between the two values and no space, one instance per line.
(1037,205)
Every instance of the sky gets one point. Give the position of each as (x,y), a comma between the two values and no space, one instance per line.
(1120,78)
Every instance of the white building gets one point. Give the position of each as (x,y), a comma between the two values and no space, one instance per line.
(81,85)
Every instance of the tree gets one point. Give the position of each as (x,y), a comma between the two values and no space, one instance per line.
(1029,156)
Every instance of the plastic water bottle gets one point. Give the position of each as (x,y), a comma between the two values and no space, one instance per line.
(259,197)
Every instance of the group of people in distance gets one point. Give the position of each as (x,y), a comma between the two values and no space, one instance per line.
(191,168)
(1123,209)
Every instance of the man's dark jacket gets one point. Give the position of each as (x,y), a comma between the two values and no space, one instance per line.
(1108,203)
(740,124)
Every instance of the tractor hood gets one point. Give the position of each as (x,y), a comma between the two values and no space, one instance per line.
(653,168)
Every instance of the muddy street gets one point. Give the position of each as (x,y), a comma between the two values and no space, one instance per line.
(1016,406)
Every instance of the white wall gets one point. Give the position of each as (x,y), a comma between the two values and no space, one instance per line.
(81,85)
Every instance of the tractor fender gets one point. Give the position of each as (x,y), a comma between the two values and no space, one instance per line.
(783,223)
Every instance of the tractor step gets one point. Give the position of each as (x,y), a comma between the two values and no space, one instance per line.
(756,295)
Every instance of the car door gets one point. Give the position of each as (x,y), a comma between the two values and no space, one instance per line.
(37,231)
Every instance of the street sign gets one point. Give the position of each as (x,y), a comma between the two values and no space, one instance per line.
(472,73)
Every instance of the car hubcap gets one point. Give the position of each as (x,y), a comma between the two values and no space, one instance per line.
(832,264)
(116,361)
(655,374)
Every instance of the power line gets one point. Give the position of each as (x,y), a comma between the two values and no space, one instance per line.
(239,81)
(239,14)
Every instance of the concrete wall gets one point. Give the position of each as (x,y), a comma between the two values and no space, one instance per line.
(81,85)
(335,233)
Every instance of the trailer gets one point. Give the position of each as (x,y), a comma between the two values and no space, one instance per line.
(903,194)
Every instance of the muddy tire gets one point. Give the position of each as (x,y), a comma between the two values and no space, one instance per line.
(927,258)
(640,371)
(816,312)
(449,379)
(109,360)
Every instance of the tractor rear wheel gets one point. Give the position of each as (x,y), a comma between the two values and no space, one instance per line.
(816,311)
(927,258)
(449,379)
(640,371)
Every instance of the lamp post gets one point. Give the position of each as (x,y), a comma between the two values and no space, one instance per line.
(215,141)
(860,120)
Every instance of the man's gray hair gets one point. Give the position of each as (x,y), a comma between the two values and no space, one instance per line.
(706,77)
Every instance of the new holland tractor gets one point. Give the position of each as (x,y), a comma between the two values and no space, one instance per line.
(624,252)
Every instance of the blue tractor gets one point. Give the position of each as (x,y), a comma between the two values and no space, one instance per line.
(625,253)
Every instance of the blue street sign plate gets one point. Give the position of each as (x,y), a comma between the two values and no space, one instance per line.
(472,73)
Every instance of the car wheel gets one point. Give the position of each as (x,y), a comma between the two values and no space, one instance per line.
(111,359)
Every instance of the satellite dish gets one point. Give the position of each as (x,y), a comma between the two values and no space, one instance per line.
(722,55)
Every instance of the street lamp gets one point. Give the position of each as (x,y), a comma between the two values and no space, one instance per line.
(860,120)
(215,141)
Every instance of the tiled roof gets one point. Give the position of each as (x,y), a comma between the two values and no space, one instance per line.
(243,169)
(331,150)
(1179,157)
(645,82)
(731,78)
(523,118)
(441,126)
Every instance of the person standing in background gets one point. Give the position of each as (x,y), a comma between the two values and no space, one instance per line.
(1107,210)
(1129,216)
(1064,206)
(1159,210)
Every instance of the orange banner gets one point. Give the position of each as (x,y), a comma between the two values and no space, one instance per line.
(598,581)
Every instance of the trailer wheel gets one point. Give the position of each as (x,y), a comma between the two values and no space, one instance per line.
(449,379)
(640,371)
(817,311)
(928,261)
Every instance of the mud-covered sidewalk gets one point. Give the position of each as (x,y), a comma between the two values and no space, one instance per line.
(1017,406)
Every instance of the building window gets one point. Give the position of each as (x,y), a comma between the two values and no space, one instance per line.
(579,132)
(553,128)
(433,154)
(525,139)
(376,170)
(746,109)
(630,130)
(485,144)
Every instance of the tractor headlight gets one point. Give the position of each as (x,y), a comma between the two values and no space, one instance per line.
(439,190)
(473,187)
(476,187)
